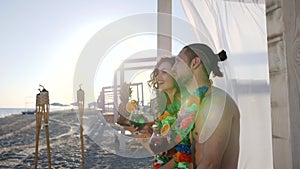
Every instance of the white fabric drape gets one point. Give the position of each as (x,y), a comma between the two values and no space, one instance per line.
(239,27)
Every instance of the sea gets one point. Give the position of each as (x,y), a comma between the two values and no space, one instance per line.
(11,111)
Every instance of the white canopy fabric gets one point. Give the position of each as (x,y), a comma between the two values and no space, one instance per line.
(239,27)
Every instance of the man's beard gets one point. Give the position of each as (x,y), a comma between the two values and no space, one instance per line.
(183,80)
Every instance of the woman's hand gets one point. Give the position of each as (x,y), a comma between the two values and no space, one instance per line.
(146,129)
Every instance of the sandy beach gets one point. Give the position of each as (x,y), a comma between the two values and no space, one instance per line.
(17,145)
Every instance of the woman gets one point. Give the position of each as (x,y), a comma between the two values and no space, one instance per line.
(162,80)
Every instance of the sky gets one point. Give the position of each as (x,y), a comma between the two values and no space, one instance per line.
(41,42)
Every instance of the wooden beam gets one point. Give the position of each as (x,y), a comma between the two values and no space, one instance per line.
(284,67)
(164,27)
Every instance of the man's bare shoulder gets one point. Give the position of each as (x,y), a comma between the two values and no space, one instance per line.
(220,100)
(216,107)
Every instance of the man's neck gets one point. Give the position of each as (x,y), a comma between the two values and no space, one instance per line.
(200,79)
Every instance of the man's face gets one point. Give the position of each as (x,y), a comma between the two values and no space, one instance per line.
(181,68)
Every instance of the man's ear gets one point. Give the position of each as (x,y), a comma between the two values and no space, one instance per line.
(195,63)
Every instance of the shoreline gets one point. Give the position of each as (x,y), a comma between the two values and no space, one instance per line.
(18,138)
(6,112)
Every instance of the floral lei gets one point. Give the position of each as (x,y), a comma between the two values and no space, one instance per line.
(166,119)
(184,125)
(180,125)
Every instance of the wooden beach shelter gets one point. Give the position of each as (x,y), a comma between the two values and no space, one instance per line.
(136,64)
(80,102)
(42,110)
(280,147)
(130,65)
(272,143)
(277,136)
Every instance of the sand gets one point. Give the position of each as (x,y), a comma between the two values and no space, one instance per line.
(17,145)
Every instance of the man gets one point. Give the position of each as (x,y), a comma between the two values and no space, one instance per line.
(215,137)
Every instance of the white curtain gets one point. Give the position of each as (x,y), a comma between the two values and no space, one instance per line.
(239,27)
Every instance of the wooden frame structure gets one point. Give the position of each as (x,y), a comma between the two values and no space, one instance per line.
(121,72)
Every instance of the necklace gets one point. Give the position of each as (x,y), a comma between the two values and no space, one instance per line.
(179,118)
(183,155)
(201,91)
(164,121)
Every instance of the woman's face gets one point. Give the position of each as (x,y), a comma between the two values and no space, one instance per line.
(164,78)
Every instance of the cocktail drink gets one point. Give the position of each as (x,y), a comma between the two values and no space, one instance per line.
(137,120)
(158,143)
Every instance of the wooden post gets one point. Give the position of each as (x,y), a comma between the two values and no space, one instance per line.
(164,27)
(283,25)
(42,110)
(115,92)
(80,102)
(39,116)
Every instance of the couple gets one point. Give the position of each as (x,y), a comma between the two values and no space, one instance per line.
(201,122)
